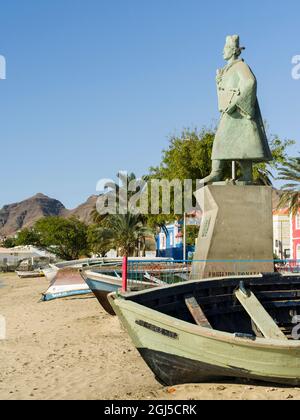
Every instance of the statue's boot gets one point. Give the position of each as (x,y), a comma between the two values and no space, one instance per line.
(247,171)
(216,173)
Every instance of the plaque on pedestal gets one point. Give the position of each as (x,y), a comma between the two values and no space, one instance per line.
(236,234)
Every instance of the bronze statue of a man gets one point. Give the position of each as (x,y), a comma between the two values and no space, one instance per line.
(241,134)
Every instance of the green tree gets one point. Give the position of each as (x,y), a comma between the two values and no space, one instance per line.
(9,243)
(192,233)
(290,173)
(100,240)
(105,221)
(128,233)
(66,238)
(28,237)
(264,172)
(189,157)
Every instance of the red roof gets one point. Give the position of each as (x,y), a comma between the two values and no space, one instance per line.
(281,212)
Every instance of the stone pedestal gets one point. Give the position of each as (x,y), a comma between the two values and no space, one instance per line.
(236,234)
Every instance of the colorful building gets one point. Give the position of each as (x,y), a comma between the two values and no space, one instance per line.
(286,235)
(169,241)
(282,234)
(295,236)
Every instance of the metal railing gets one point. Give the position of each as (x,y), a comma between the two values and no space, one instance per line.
(162,273)
(159,272)
(287,266)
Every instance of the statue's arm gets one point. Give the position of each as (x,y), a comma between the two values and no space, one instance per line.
(243,97)
(233,104)
(246,100)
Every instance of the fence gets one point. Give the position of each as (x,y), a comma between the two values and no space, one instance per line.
(162,273)
(158,272)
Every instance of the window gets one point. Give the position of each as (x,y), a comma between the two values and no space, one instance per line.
(298,252)
(162,241)
(171,239)
(287,254)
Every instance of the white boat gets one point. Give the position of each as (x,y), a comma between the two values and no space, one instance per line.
(65,279)
(29,274)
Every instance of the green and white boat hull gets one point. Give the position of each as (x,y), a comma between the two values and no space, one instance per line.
(179,352)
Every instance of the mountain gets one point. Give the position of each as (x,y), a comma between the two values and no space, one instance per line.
(14,217)
(17,216)
(83,212)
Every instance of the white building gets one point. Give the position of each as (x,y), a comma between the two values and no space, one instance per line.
(282,233)
(12,257)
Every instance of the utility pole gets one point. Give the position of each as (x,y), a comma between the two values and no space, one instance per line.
(184,236)
(281,239)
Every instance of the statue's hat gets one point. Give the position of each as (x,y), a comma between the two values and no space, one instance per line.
(233,41)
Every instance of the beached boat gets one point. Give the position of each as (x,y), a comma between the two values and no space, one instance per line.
(104,283)
(29,274)
(199,331)
(105,280)
(65,280)
(51,270)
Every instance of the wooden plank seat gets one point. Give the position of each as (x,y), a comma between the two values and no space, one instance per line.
(258,314)
(197,312)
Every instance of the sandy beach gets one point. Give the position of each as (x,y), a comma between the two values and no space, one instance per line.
(71,349)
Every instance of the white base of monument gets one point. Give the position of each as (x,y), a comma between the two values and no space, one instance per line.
(236,234)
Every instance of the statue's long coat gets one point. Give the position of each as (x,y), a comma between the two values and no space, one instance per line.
(241,134)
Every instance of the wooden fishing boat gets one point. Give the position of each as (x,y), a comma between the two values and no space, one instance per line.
(103,281)
(66,283)
(199,331)
(65,279)
(51,270)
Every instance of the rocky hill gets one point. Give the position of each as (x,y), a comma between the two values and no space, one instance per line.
(16,216)
(83,212)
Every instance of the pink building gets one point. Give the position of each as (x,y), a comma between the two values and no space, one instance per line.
(295,237)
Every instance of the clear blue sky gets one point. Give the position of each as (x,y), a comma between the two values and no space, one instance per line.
(96,86)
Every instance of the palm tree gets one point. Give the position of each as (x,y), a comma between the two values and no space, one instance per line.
(290,198)
(262,175)
(105,219)
(100,240)
(125,179)
(128,232)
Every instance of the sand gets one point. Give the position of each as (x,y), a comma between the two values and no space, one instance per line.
(71,349)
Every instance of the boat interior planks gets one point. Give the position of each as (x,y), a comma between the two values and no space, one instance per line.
(197,312)
(279,296)
(204,331)
(260,317)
